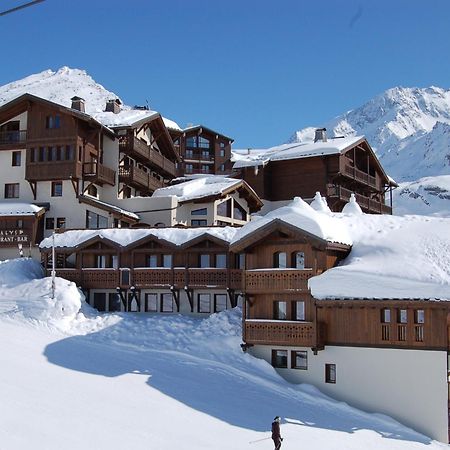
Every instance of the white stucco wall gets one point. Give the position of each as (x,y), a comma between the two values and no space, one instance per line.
(408,385)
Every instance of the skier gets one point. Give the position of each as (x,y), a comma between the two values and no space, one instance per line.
(276,436)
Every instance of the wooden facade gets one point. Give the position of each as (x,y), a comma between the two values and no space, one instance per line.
(355,170)
(203,151)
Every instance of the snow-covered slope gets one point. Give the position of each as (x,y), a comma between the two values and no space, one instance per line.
(60,86)
(117,381)
(409,128)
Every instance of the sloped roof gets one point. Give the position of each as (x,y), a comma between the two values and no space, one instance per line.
(20,209)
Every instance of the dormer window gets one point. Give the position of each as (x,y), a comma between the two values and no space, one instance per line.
(280,260)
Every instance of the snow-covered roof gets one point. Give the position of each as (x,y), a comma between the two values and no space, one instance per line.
(20,209)
(391,257)
(294,151)
(125,117)
(198,187)
(171,124)
(107,206)
(302,216)
(128,236)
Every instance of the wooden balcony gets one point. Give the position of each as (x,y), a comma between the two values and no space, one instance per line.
(145,154)
(277,280)
(367,204)
(154,277)
(53,170)
(99,174)
(355,174)
(11,140)
(411,335)
(283,332)
(138,178)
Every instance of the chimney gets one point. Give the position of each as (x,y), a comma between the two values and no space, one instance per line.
(78,103)
(321,135)
(113,106)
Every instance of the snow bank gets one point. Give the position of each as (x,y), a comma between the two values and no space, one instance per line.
(24,293)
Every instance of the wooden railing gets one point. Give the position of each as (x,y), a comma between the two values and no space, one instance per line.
(153,277)
(276,280)
(98,173)
(134,176)
(402,333)
(281,332)
(144,153)
(13,139)
(359,175)
(53,170)
(366,203)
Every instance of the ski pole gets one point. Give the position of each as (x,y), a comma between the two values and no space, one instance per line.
(259,440)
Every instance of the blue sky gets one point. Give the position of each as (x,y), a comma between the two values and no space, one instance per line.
(253,70)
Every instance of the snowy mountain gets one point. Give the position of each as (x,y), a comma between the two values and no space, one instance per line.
(60,86)
(409,128)
(75,379)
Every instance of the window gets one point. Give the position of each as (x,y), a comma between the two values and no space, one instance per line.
(239,212)
(402,316)
(199,212)
(19,223)
(204,303)
(191,141)
(240,261)
(189,153)
(49,223)
(100,301)
(70,153)
(189,168)
(151,302)
(222,168)
(198,223)
(385,315)
(419,316)
(298,260)
(12,190)
(220,302)
(224,208)
(279,358)
(279,310)
(152,261)
(167,261)
(299,360)
(166,303)
(205,260)
(222,145)
(94,220)
(100,262)
(221,261)
(330,373)
(280,260)
(205,168)
(203,142)
(52,122)
(205,154)
(57,188)
(299,310)
(222,151)
(114,302)
(61,222)
(16,159)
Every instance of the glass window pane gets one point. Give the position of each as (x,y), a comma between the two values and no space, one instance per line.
(220,302)
(300,310)
(152,261)
(199,212)
(151,302)
(205,260)
(204,303)
(280,310)
(420,316)
(166,303)
(167,261)
(300,360)
(402,316)
(299,260)
(279,358)
(221,261)
(280,260)
(114,302)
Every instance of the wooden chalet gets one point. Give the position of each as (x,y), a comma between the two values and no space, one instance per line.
(335,167)
(203,151)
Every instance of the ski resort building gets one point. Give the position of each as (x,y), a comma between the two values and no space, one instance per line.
(335,167)
(352,304)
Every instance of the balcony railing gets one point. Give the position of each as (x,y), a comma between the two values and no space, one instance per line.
(13,139)
(155,277)
(366,203)
(53,170)
(277,280)
(282,332)
(359,175)
(134,176)
(401,333)
(98,173)
(145,154)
